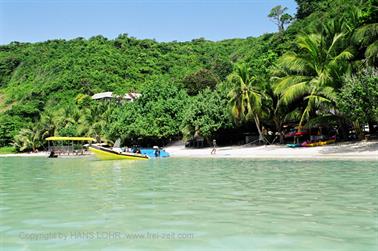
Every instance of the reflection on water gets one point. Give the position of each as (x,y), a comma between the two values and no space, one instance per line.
(187,204)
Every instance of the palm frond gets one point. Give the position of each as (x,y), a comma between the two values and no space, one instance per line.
(295,63)
(371,52)
(294,115)
(329,93)
(310,44)
(336,39)
(294,92)
(343,56)
(325,119)
(316,100)
(288,81)
(367,34)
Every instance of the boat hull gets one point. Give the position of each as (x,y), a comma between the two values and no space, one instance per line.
(108,154)
(293,145)
(321,143)
(150,152)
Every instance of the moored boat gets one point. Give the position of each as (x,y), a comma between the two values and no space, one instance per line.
(154,152)
(105,153)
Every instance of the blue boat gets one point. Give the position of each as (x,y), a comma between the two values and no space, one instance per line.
(293,145)
(151,152)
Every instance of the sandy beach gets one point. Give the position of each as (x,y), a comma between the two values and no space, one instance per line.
(364,150)
(350,150)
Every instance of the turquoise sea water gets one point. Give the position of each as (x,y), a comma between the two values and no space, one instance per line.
(187,204)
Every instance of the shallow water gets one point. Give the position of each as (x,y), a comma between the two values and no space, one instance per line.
(187,204)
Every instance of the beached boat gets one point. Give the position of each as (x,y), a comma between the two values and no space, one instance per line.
(320,143)
(105,153)
(300,133)
(294,145)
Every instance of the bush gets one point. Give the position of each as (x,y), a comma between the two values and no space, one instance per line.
(7,150)
(9,127)
(358,98)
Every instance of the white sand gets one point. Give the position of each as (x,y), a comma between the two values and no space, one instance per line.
(39,154)
(357,150)
(367,150)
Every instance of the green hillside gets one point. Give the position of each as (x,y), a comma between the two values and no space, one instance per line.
(187,87)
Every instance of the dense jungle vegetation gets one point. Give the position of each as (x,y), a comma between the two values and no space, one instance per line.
(319,68)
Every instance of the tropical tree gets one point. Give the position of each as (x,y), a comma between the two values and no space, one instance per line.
(154,118)
(93,119)
(358,99)
(367,36)
(28,139)
(9,127)
(206,114)
(275,113)
(313,74)
(245,97)
(280,17)
(48,124)
(200,80)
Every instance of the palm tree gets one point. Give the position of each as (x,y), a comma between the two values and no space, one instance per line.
(276,113)
(245,98)
(367,36)
(28,139)
(313,75)
(93,120)
(48,124)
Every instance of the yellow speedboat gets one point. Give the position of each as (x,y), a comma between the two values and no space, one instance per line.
(105,153)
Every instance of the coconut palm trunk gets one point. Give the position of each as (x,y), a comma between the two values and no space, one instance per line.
(258,126)
(245,98)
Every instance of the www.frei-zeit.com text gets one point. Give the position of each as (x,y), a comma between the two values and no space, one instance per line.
(104,235)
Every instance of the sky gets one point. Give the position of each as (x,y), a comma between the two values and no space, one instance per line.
(163,20)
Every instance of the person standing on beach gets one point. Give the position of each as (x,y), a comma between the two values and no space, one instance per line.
(214,151)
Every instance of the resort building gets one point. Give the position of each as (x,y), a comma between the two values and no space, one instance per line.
(128,97)
(103,96)
(131,96)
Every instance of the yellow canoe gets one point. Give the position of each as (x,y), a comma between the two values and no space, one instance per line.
(104,153)
(321,143)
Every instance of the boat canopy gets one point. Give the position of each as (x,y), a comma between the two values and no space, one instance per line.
(70,139)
